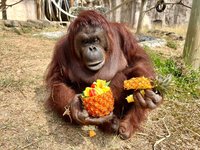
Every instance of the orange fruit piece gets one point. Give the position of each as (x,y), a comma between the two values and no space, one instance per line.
(92,133)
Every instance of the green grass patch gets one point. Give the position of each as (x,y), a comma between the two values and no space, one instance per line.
(185,81)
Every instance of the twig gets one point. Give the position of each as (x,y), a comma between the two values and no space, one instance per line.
(162,139)
(118,6)
(150,9)
(67,112)
(15,3)
(143,134)
(22,93)
(193,132)
(4,127)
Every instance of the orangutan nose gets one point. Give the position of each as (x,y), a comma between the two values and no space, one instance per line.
(92,48)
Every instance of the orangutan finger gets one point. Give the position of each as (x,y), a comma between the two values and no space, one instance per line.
(124,134)
(75,111)
(140,99)
(149,93)
(115,123)
(156,98)
(100,120)
(74,115)
(83,114)
(150,104)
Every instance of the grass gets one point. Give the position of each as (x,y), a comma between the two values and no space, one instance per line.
(185,81)
(6,82)
(172,44)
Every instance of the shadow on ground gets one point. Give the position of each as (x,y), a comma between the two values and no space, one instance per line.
(72,135)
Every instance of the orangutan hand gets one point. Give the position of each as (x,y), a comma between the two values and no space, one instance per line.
(81,116)
(150,99)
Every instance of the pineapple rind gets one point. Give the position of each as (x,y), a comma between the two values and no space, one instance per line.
(138,83)
(99,105)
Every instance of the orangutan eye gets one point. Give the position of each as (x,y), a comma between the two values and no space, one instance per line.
(96,40)
(85,41)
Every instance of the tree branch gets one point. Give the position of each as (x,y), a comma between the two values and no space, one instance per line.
(177,3)
(10,5)
(150,9)
(14,3)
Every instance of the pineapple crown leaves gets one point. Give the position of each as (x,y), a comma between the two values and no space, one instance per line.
(108,83)
(162,83)
(97,87)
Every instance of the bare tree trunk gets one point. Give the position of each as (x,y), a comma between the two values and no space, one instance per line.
(141,16)
(71,3)
(118,12)
(108,4)
(4,13)
(113,4)
(133,11)
(129,12)
(191,51)
(39,9)
(176,12)
(123,17)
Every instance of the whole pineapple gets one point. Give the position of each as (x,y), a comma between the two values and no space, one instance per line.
(98,99)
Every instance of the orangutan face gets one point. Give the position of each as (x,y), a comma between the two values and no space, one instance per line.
(91,47)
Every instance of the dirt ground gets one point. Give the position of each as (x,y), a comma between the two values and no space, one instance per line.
(26,124)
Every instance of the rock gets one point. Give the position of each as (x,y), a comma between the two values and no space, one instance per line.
(171,35)
(11,23)
(174,36)
(39,24)
(154,43)
(141,38)
(36,23)
(8,23)
(51,35)
(25,24)
(150,41)
(17,30)
(47,23)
